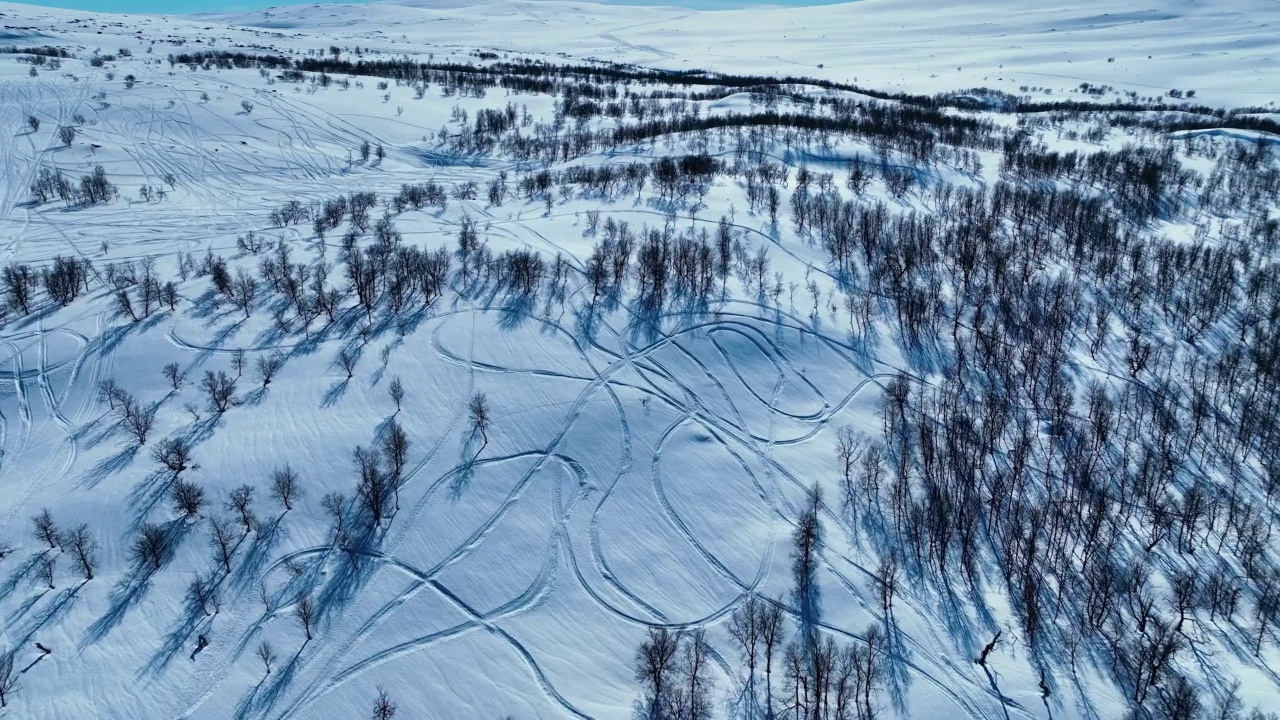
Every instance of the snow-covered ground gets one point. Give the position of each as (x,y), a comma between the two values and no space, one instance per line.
(632,476)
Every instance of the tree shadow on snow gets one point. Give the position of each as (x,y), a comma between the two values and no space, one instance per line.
(57,609)
(109,466)
(250,567)
(26,571)
(178,637)
(130,590)
(515,311)
(465,471)
(334,393)
(124,596)
(263,697)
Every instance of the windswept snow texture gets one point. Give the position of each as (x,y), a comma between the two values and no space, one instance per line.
(634,475)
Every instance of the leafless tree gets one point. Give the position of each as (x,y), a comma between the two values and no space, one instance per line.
(241,503)
(771,632)
(347,361)
(220,389)
(383,708)
(243,291)
(111,391)
(305,611)
(267,655)
(8,681)
(174,454)
(696,683)
(396,388)
(869,660)
(744,628)
(173,373)
(151,546)
(849,448)
(222,540)
(67,135)
(19,281)
(806,541)
(188,498)
(83,547)
(335,503)
(269,365)
(480,415)
(372,486)
(44,528)
(238,362)
(887,583)
(48,567)
(284,486)
(655,663)
(137,419)
(395,447)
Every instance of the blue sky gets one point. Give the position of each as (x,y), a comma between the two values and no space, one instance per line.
(193,6)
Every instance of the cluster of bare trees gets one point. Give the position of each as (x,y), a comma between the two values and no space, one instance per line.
(673,670)
(137,418)
(138,290)
(63,281)
(1020,455)
(77,543)
(381,473)
(416,197)
(809,676)
(93,189)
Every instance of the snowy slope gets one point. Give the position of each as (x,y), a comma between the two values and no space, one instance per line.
(1227,51)
(632,477)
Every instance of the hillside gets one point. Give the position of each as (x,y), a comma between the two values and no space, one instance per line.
(543,359)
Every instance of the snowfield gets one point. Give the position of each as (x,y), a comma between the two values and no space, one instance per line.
(593,458)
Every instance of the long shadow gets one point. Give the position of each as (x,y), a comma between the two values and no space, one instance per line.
(644,324)
(897,668)
(516,310)
(111,338)
(109,466)
(124,596)
(34,317)
(465,472)
(131,589)
(177,638)
(26,606)
(380,431)
(259,552)
(91,434)
(147,494)
(1005,701)
(253,397)
(56,610)
(203,429)
(334,393)
(952,615)
(585,323)
(32,664)
(21,573)
(267,693)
